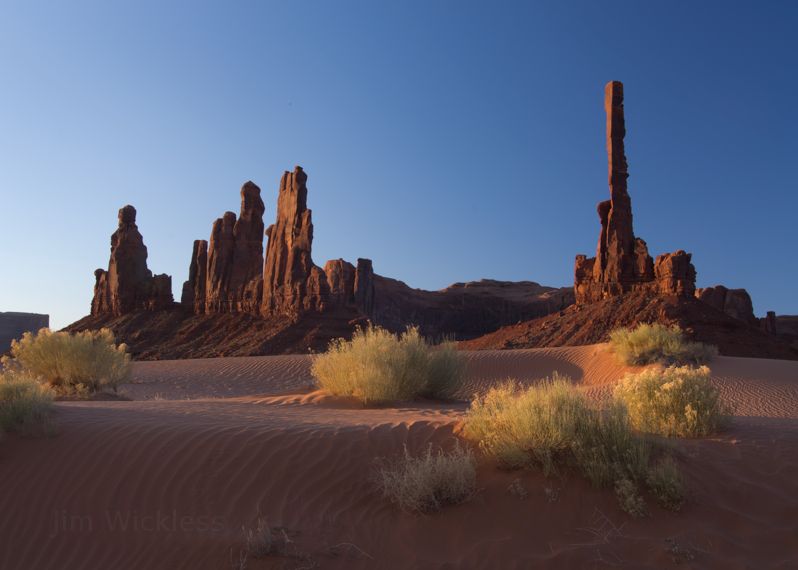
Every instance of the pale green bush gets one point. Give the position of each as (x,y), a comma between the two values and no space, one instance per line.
(673,401)
(25,403)
(551,425)
(378,366)
(524,426)
(88,361)
(656,343)
(427,482)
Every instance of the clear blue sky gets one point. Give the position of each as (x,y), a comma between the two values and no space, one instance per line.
(447,141)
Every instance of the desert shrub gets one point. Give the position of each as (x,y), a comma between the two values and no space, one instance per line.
(607,450)
(445,371)
(673,401)
(429,481)
(629,497)
(523,426)
(551,425)
(665,482)
(25,403)
(378,366)
(656,343)
(87,361)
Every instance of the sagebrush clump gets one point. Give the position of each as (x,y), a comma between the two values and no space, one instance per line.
(656,343)
(83,362)
(665,482)
(25,403)
(378,366)
(431,480)
(551,425)
(673,401)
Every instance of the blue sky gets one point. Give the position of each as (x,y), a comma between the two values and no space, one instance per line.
(447,141)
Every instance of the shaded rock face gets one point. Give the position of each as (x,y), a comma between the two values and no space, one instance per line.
(622,261)
(225,273)
(13,325)
(734,302)
(128,284)
(194,289)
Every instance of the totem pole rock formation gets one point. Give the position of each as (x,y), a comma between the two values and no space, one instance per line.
(622,261)
(128,285)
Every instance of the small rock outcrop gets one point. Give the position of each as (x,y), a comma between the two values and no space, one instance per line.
(734,302)
(128,284)
(623,263)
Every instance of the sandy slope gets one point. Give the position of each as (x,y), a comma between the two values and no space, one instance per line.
(227,439)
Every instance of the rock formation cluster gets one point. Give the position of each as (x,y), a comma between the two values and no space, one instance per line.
(622,263)
(225,272)
(230,274)
(128,284)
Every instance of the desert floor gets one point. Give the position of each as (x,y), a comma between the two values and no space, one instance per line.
(168,479)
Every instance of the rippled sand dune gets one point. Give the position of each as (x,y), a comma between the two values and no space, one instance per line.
(168,479)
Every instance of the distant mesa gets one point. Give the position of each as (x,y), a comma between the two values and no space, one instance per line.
(13,325)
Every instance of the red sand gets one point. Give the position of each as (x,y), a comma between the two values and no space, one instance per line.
(208,445)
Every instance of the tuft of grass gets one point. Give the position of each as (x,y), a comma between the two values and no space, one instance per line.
(80,363)
(673,401)
(656,343)
(25,403)
(377,366)
(665,482)
(429,481)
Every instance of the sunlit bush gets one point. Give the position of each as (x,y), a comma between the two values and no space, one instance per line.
(656,343)
(673,401)
(88,361)
(378,366)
